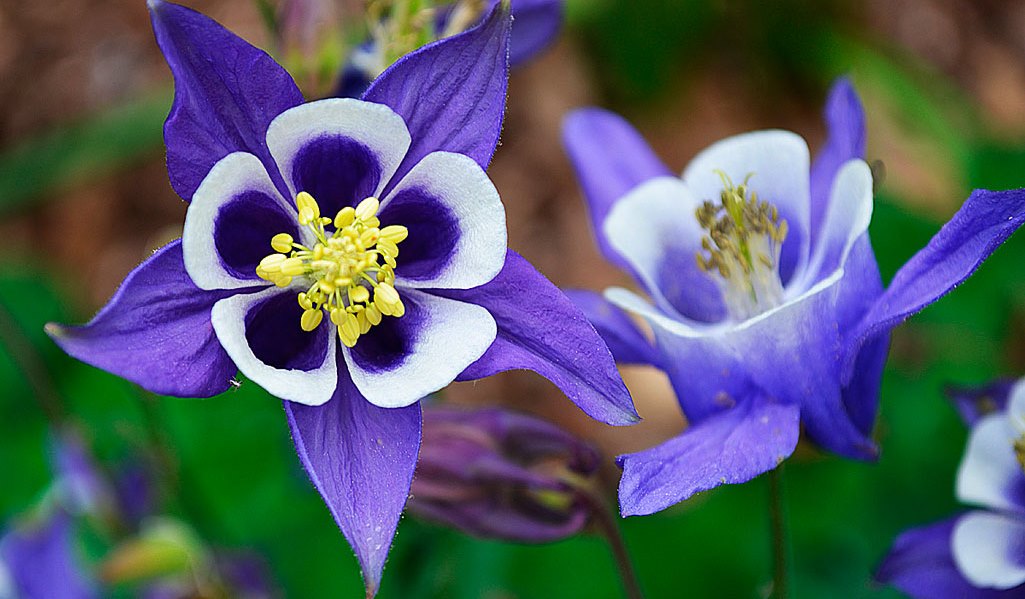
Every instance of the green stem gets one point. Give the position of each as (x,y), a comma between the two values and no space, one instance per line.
(27,359)
(604,517)
(780,545)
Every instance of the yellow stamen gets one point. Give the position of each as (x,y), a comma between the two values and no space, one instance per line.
(351,271)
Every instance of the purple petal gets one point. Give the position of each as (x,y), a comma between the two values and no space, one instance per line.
(625,340)
(920,564)
(536,24)
(361,459)
(610,158)
(539,329)
(732,447)
(226,94)
(845,140)
(451,93)
(974,402)
(985,221)
(155,332)
(40,559)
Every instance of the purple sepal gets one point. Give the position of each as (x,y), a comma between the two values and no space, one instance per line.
(497,474)
(731,447)
(985,221)
(41,561)
(361,459)
(83,489)
(540,329)
(845,126)
(226,93)
(536,24)
(920,564)
(974,402)
(155,332)
(626,342)
(451,93)
(610,158)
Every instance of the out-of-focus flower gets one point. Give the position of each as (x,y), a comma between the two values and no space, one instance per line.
(38,560)
(497,474)
(980,553)
(767,307)
(537,23)
(289,267)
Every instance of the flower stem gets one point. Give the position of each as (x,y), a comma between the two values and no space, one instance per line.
(780,545)
(604,517)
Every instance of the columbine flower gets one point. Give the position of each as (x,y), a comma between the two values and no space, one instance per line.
(766,303)
(537,24)
(497,474)
(979,553)
(347,255)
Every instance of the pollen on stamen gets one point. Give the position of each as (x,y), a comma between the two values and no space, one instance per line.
(351,270)
(741,248)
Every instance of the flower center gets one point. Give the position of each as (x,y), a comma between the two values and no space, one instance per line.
(347,276)
(1019,451)
(741,249)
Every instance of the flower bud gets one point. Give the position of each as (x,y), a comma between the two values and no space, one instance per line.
(497,474)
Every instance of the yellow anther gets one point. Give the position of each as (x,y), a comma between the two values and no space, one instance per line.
(345,217)
(292,267)
(348,331)
(367,209)
(395,233)
(358,295)
(282,242)
(350,271)
(311,319)
(309,210)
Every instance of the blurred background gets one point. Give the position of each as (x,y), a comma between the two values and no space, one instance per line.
(84,197)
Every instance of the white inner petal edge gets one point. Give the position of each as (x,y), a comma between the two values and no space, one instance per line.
(454,335)
(461,185)
(990,468)
(987,548)
(310,387)
(376,126)
(234,174)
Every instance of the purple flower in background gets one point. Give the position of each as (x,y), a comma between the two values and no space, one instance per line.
(497,474)
(38,561)
(536,25)
(767,307)
(979,553)
(349,256)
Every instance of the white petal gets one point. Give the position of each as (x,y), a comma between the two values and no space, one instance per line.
(310,387)
(375,126)
(1016,407)
(850,212)
(233,175)
(778,163)
(451,336)
(990,474)
(456,186)
(987,548)
(651,222)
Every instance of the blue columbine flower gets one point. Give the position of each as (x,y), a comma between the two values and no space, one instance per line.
(980,553)
(347,255)
(766,303)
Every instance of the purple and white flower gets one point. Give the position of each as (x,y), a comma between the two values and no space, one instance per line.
(349,256)
(980,553)
(766,304)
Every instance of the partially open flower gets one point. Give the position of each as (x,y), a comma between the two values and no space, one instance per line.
(497,474)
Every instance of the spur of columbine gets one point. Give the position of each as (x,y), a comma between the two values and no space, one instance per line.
(766,304)
(349,256)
